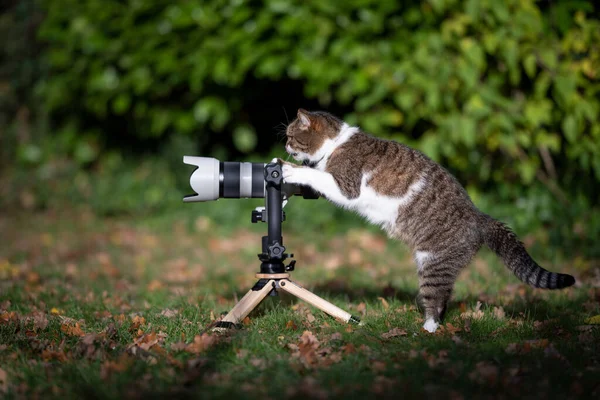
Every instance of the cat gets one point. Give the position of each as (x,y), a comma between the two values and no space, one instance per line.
(412,198)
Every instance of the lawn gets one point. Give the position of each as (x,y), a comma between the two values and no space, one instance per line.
(122,307)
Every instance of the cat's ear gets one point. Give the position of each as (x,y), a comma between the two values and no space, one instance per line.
(304,118)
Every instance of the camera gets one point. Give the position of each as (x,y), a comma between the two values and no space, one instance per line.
(214,179)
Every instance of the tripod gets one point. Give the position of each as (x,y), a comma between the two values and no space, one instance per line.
(274,275)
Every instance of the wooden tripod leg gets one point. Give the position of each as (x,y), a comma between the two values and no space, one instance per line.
(246,304)
(320,303)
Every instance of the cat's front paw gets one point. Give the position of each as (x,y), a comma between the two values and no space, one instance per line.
(293,174)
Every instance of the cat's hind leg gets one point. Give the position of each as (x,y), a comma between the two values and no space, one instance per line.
(437,275)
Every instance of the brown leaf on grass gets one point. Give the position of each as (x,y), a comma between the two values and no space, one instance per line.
(120,318)
(384,303)
(499,313)
(167,312)
(451,329)
(154,285)
(105,314)
(484,373)
(89,339)
(7,317)
(291,325)
(394,333)
(136,323)
(361,308)
(201,343)
(476,313)
(33,278)
(336,336)
(3,381)
(349,348)
(307,348)
(527,346)
(109,367)
(50,355)
(72,330)
(178,346)
(40,322)
(146,341)
(67,320)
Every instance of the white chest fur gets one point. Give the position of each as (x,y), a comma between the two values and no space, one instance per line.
(380,209)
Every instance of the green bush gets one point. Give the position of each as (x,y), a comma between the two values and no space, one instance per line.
(476,82)
(504,93)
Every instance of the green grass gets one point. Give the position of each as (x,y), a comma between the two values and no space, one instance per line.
(143,291)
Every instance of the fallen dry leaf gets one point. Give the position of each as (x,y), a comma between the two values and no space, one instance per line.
(89,339)
(201,343)
(451,329)
(384,303)
(72,330)
(527,346)
(3,381)
(154,285)
(169,313)
(49,355)
(146,341)
(40,322)
(7,317)
(136,323)
(307,348)
(122,364)
(361,308)
(291,325)
(349,348)
(394,333)
(499,313)
(179,346)
(476,313)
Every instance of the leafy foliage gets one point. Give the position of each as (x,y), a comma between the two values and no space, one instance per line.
(504,93)
(469,79)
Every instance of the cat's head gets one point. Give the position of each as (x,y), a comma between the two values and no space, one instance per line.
(308,134)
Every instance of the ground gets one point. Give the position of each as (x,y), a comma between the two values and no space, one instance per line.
(122,307)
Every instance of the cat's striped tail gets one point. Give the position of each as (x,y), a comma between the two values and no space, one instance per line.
(502,240)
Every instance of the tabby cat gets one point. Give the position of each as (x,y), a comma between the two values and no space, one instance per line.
(412,198)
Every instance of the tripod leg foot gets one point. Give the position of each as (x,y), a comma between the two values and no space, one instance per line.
(248,303)
(320,303)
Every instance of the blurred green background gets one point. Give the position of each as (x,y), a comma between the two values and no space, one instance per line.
(100,99)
